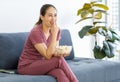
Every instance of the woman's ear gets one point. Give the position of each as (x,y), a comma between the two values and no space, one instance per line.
(41,17)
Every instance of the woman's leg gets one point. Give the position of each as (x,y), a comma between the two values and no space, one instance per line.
(59,75)
(64,66)
(39,67)
(45,66)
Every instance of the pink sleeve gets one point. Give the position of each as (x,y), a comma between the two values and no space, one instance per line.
(36,37)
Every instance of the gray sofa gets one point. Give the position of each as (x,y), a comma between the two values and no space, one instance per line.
(85,69)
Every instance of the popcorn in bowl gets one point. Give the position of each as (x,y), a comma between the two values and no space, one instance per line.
(64,49)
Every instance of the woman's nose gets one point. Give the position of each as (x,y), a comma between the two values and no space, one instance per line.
(53,19)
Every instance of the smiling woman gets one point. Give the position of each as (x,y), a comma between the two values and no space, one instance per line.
(41,49)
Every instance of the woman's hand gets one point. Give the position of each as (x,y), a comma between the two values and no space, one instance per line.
(54,27)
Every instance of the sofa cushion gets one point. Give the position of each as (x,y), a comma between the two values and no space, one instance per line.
(11,45)
(95,70)
(4,77)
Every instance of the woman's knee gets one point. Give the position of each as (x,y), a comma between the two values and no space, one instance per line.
(59,74)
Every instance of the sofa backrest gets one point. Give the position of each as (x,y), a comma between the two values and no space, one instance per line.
(11,46)
(67,40)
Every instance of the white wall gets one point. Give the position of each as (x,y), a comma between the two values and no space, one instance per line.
(21,15)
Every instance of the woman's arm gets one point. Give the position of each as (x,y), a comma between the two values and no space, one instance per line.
(45,51)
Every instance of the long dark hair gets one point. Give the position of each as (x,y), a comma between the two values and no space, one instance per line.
(43,11)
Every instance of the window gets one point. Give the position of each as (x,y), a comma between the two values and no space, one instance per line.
(113,17)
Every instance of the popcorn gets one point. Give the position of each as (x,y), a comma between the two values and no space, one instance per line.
(63,49)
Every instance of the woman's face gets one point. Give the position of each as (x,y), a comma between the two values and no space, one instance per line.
(50,17)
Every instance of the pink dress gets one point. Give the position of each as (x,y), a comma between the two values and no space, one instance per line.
(31,62)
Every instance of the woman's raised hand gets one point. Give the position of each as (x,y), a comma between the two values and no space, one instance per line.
(54,28)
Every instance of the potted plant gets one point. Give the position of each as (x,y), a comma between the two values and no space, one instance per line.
(95,11)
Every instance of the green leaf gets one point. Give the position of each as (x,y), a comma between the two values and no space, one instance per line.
(98,15)
(109,35)
(91,11)
(102,31)
(84,14)
(95,30)
(79,11)
(116,37)
(84,31)
(105,7)
(83,19)
(112,30)
(113,47)
(106,49)
(87,6)
(113,35)
(96,22)
(93,2)
(98,52)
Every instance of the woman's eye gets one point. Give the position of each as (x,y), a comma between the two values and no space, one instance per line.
(55,15)
(52,15)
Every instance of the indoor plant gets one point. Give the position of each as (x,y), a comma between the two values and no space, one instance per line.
(95,11)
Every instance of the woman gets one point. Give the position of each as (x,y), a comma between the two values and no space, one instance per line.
(39,55)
